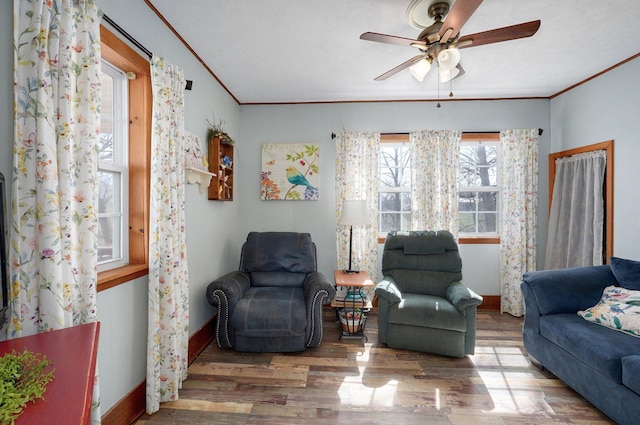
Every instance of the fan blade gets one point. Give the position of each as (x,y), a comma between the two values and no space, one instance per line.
(392,39)
(461,73)
(457,17)
(403,65)
(497,35)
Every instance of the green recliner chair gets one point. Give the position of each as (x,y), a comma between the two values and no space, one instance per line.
(422,305)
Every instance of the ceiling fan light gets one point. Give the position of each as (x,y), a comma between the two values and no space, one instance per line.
(446,76)
(420,69)
(448,59)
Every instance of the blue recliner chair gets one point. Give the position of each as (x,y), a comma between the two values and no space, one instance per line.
(422,305)
(273,303)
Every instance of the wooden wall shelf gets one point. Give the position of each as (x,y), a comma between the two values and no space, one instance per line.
(221,163)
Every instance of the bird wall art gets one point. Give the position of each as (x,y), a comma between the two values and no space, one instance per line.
(290,172)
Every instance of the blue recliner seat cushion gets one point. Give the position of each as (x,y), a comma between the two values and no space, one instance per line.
(584,340)
(271,312)
(427,311)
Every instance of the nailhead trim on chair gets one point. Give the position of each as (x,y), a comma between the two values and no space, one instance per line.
(217,293)
(323,294)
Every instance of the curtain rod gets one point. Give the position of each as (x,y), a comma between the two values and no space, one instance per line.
(127,35)
(189,83)
(540,130)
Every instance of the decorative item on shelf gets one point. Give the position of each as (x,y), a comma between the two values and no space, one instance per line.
(196,165)
(216,130)
(354,213)
(221,147)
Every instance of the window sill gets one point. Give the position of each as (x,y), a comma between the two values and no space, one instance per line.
(479,240)
(466,240)
(110,278)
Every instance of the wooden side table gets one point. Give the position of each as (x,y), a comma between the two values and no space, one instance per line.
(352,325)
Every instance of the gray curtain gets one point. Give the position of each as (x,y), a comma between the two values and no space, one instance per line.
(576,221)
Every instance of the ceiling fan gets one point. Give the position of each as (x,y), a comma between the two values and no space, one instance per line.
(441,41)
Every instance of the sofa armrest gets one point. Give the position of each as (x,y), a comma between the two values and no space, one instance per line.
(388,290)
(462,297)
(567,290)
(318,290)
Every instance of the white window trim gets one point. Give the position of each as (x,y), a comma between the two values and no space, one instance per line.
(497,189)
(121,161)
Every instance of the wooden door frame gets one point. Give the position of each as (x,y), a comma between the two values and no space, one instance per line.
(608,187)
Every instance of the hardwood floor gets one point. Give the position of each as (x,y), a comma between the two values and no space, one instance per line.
(366,383)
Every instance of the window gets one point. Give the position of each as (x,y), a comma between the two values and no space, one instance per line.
(394,184)
(113,180)
(478,185)
(129,118)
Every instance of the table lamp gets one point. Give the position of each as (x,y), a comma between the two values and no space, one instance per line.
(354,213)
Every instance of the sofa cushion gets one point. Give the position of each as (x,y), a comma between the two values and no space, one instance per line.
(427,311)
(270,312)
(598,347)
(631,372)
(618,309)
(627,272)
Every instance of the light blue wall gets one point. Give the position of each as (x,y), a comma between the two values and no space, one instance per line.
(315,123)
(604,109)
(608,108)
(212,242)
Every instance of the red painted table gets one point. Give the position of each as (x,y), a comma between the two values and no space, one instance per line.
(73,352)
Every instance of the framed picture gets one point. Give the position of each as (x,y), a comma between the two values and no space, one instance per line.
(290,172)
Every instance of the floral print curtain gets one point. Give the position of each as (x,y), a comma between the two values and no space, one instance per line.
(168,335)
(53,232)
(518,208)
(435,155)
(357,179)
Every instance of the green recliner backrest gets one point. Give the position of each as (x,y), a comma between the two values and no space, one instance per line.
(422,262)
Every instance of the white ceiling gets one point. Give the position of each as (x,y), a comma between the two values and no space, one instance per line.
(283,51)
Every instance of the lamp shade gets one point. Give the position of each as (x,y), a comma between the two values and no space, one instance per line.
(448,59)
(420,69)
(446,76)
(354,213)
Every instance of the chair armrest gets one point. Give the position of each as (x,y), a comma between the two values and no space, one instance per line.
(316,282)
(233,285)
(224,293)
(567,290)
(388,290)
(462,297)
(318,290)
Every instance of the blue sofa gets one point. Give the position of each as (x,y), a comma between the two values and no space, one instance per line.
(601,364)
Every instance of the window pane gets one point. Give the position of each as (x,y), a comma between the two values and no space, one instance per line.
(405,199)
(106,142)
(487,222)
(467,222)
(395,177)
(108,239)
(391,201)
(389,222)
(109,216)
(487,201)
(468,201)
(106,118)
(478,165)
(109,192)
(395,163)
